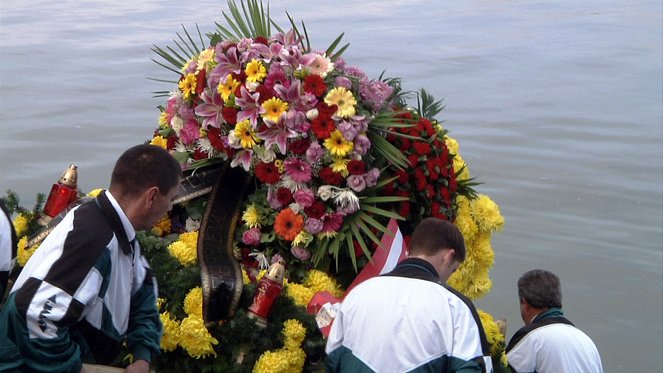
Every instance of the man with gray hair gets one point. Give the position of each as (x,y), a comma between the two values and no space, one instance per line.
(548,342)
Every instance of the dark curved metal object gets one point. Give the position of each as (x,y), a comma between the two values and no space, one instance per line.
(220,272)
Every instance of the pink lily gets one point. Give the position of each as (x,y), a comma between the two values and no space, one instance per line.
(210,109)
(277,133)
(250,105)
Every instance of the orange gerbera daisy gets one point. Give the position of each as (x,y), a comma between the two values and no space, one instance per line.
(288,224)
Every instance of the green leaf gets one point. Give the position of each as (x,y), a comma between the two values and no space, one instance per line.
(377,225)
(358,237)
(387,150)
(351,250)
(381,212)
(382,199)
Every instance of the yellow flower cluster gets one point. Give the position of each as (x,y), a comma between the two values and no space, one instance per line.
(493,333)
(162,227)
(476,219)
(171,332)
(21,225)
(314,282)
(94,192)
(23,254)
(193,302)
(185,249)
(290,358)
(195,338)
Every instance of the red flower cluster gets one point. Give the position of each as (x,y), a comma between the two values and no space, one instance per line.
(430,182)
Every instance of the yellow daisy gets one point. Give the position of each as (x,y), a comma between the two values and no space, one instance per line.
(251,216)
(205,58)
(340,165)
(247,137)
(274,107)
(255,71)
(343,99)
(159,141)
(188,86)
(338,145)
(228,87)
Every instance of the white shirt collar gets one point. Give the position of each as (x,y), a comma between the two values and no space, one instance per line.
(128,228)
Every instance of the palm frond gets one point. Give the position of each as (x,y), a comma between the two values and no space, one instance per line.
(427,106)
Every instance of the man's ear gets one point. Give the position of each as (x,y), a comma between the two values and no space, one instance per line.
(151,195)
(449,256)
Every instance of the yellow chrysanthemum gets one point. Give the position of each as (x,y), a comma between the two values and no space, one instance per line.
(483,250)
(171,332)
(190,239)
(486,213)
(459,164)
(246,135)
(228,87)
(162,227)
(299,293)
(159,141)
(188,85)
(274,107)
(452,145)
(344,100)
(205,58)
(160,302)
(251,216)
(465,222)
(193,302)
(21,225)
(320,281)
(255,71)
(183,253)
(337,144)
(94,192)
(272,362)
(195,338)
(294,333)
(340,165)
(302,239)
(493,334)
(23,254)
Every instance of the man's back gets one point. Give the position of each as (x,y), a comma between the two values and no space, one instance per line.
(398,324)
(555,348)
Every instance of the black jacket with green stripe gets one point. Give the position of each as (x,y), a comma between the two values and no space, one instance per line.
(84,292)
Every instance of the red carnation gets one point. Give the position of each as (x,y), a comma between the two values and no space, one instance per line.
(414,159)
(453,184)
(402,176)
(284,196)
(299,146)
(330,177)
(405,144)
(426,126)
(172,141)
(404,209)
(431,165)
(323,126)
(315,85)
(421,147)
(316,210)
(267,173)
(356,167)
(229,114)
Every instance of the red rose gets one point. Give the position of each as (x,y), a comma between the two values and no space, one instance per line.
(402,176)
(414,159)
(229,114)
(330,177)
(404,209)
(299,146)
(316,210)
(453,184)
(431,165)
(425,126)
(284,196)
(430,191)
(356,167)
(214,136)
(315,85)
(405,144)
(267,173)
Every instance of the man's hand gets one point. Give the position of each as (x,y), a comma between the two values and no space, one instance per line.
(139,366)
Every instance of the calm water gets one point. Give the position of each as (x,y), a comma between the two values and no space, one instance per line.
(556,106)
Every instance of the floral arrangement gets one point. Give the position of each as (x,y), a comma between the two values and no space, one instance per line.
(333,154)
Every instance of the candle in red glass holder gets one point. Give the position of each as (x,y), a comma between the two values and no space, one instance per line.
(268,290)
(63,193)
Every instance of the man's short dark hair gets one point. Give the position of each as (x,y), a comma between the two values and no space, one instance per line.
(142,167)
(541,289)
(433,235)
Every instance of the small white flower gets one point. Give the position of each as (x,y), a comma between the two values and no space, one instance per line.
(347,198)
(267,155)
(325,192)
(177,123)
(234,141)
(206,146)
(252,86)
(312,114)
(192,225)
(290,184)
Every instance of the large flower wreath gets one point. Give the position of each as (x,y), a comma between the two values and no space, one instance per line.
(333,154)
